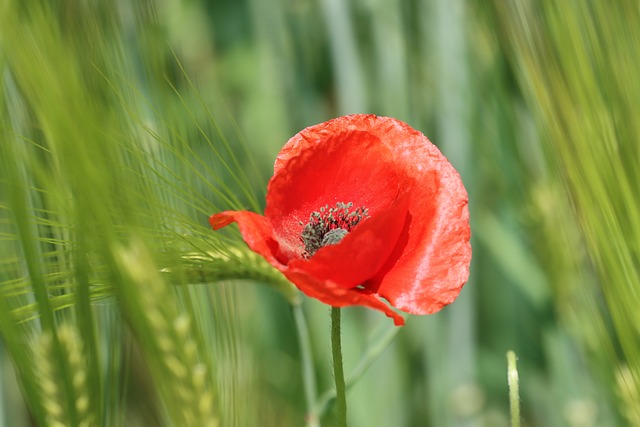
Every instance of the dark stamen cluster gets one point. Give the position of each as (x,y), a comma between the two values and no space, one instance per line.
(329,225)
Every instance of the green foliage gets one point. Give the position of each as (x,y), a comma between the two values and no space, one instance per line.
(577,63)
(99,191)
(123,127)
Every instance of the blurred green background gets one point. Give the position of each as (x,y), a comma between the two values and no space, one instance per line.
(124,125)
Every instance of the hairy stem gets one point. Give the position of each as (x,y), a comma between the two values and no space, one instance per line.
(338,372)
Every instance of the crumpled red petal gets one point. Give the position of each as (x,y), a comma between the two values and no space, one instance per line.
(434,263)
(256,232)
(337,296)
(362,253)
(429,267)
(345,167)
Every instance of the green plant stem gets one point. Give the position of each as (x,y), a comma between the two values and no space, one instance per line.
(514,394)
(338,372)
(378,343)
(308,375)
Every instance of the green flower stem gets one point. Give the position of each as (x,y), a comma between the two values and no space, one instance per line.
(338,372)
(378,343)
(514,394)
(308,374)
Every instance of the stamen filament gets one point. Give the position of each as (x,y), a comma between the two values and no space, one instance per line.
(328,226)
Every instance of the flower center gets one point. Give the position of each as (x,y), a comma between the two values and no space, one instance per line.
(328,226)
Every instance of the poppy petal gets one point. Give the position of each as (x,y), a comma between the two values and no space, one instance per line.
(256,232)
(429,267)
(332,294)
(352,166)
(435,266)
(362,252)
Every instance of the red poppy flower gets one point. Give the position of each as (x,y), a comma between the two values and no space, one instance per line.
(362,208)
